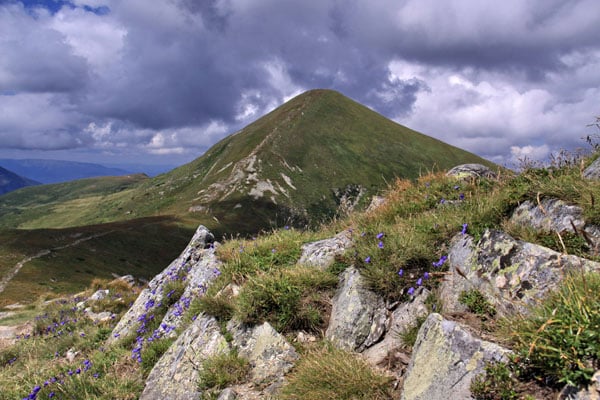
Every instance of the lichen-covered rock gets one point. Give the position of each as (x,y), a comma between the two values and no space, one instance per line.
(227,394)
(199,277)
(321,254)
(402,318)
(593,171)
(471,171)
(446,357)
(358,316)
(175,375)
(554,215)
(510,273)
(189,262)
(269,353)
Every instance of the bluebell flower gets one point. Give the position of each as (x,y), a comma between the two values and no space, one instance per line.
(368,259)
(380,244)
(411,291)
(419,282)
(426,275)
(464,229)
(380,235)
(401,272)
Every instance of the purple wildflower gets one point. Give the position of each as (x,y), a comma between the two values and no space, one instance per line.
(426,275)
(380,244)
(368,259)
(380,235)
(461,196)
(419,281)
(401,272)
(464,229)
(411,291)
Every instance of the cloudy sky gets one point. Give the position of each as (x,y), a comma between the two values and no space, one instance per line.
(160,81)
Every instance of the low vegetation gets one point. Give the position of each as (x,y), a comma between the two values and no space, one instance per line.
(399,247)
(331,373)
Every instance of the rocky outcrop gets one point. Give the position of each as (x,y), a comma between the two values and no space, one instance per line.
(358,316)
(269,354)
(401,319)
(193,266)
(510,273)
(471,171)
(175,375)
(198,279)
(554,215)
(593,171)
(446,357)
(321,254)
(592,392)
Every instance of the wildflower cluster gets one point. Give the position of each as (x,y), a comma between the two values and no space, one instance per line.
(50,386)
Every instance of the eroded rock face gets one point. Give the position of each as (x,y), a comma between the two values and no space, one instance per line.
(358,316)
(194,263)
(593,171)
(402,318)
(511,274)
(321,254)
(446,357)
(471,171)
(175,375)
(269,354)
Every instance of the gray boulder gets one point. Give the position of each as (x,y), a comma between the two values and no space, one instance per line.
(175,375)
(358,316)
(321,254)
(446,357)
(554,215)
(185,266)
(269,354)
(471,171)
(593,171)
(510,273)
(198,278)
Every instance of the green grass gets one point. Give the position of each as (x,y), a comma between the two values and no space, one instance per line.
(222,370)
(292,299)
(39,359)
(141,248)
(330,373)
(560,340)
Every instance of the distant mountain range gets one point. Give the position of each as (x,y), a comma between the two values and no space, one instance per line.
(10,181)
(314,155)
(54,171)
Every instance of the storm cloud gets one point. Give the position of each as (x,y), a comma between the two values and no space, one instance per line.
(171,77)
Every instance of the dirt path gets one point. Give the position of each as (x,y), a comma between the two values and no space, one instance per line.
(11,274)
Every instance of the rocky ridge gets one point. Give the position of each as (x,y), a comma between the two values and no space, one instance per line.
(447,355)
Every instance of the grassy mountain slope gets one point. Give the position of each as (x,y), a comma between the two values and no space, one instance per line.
(69,259)
(10,181)
(292,165)
(61,204)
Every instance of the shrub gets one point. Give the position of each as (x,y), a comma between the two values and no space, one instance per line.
(476,303)
(497,383)
(560,339)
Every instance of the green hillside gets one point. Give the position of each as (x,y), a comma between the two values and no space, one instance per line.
(291,166)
